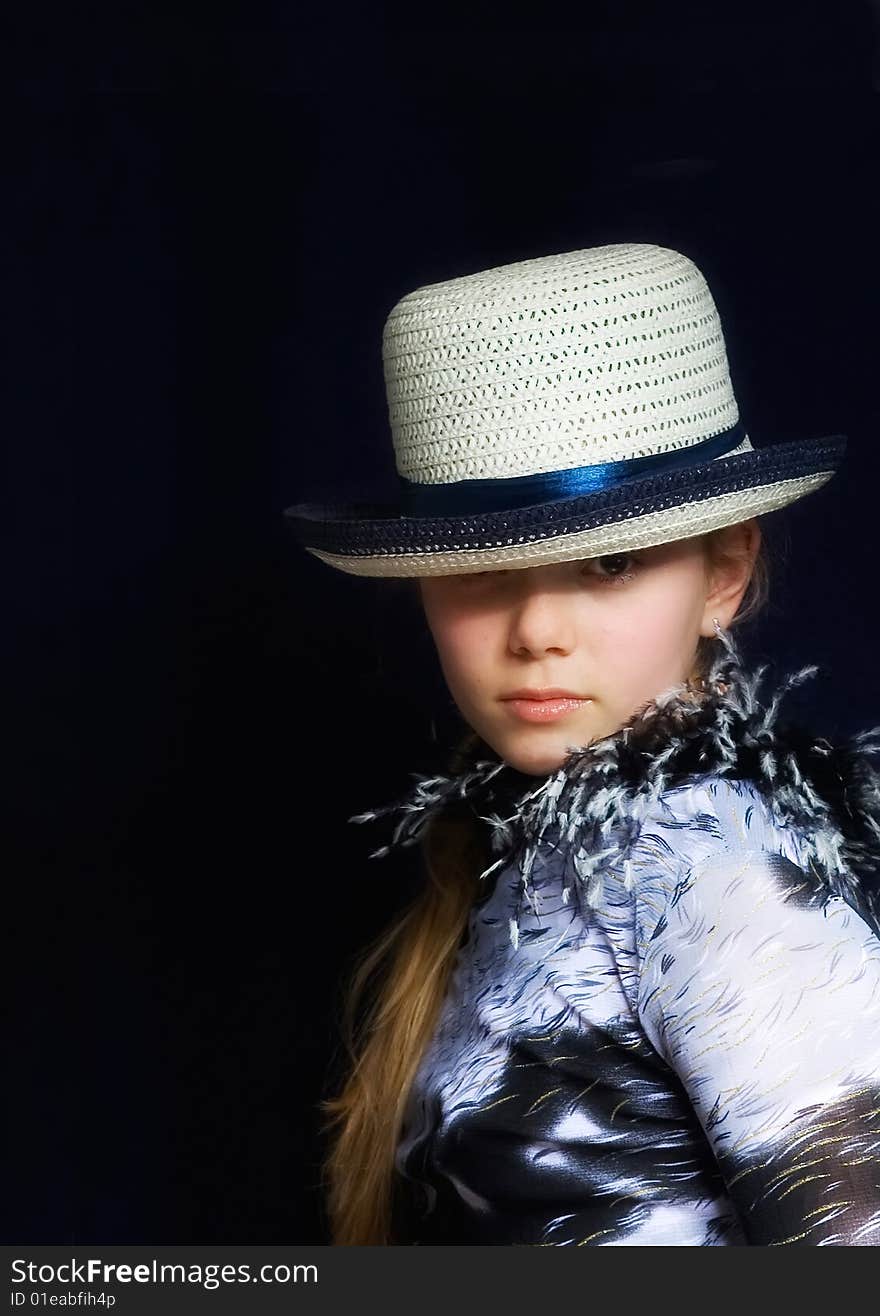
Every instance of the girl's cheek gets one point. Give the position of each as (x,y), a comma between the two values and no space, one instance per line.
(466,635)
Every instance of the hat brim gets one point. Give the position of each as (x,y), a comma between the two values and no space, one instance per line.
(378,539)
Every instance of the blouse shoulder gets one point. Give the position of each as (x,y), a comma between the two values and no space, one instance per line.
(749,815)
(732,812)
(682,829)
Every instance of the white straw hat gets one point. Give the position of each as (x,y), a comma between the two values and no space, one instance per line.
(561,407)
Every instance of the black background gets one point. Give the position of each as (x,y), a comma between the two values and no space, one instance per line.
(208,213)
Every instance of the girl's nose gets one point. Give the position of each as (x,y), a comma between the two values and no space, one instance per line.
(541,621)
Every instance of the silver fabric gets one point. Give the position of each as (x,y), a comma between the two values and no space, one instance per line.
(693,1061)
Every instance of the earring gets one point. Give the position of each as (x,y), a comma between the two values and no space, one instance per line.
(718,629)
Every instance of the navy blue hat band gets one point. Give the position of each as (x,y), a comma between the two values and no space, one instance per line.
(466,497)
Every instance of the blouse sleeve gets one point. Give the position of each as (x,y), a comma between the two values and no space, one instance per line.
(762,992)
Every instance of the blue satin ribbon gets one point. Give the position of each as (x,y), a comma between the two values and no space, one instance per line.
(465,497)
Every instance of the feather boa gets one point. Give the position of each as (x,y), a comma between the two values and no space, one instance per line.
(595,801)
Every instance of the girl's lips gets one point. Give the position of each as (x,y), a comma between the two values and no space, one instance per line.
(543,710)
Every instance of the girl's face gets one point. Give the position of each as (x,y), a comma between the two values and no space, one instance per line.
(614,630)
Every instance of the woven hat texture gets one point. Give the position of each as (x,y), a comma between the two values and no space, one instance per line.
(559,407)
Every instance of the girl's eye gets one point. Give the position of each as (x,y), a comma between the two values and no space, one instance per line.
(610,570)
(612,564)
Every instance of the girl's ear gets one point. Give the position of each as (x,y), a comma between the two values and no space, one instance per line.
(732,554)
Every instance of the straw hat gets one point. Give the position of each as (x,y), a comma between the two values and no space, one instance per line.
(556,408)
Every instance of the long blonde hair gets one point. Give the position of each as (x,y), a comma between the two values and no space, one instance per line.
(396,985)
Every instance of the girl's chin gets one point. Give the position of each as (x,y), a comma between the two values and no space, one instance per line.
(536,759)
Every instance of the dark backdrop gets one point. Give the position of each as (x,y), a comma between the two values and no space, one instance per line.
(206,219)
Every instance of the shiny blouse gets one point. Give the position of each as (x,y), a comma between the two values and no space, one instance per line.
(691,1059)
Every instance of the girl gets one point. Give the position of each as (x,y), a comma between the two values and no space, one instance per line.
(638,999)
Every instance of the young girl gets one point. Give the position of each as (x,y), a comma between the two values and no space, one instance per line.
(638,998)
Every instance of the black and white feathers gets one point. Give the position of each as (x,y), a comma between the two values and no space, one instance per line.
(830,791)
